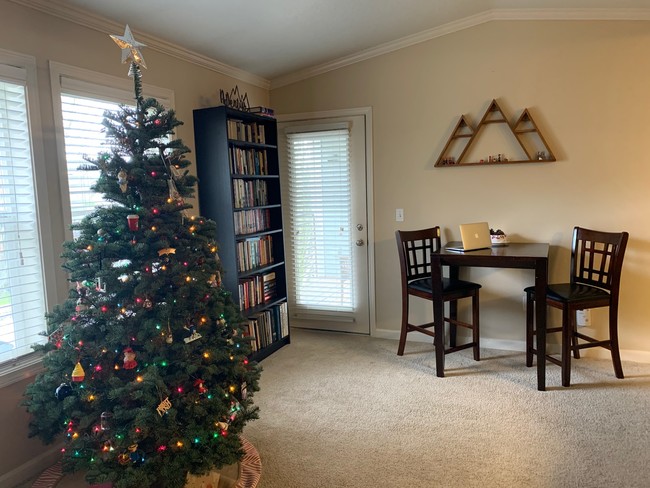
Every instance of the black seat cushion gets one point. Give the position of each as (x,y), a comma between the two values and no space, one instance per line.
(568,292)
(424,284)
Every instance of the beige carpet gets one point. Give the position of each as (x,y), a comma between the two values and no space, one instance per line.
(340,410)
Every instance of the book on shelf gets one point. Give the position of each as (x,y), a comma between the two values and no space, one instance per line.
(252,333)
(259,110)
(284,319)
(269,286)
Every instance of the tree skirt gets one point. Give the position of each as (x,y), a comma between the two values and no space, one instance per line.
(249,472)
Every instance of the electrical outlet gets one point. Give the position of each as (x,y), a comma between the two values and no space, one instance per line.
(583,318)
(399,215)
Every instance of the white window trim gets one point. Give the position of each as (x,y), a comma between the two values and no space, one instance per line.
(96,85)
(26,366)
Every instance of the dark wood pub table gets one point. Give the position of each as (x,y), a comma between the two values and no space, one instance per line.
(514,255)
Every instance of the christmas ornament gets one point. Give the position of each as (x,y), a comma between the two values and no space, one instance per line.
(129,359)
(169,339)
(130,47)
(174,195)
(122,180)
(136,456)
(194,335)
(63,390)
(147,303)
(213,281)
(134,222)
(176,172)
(81,306)
(167,250)
(104,420)
(199,385)
(56,337)
(78,373)
(123,458)
(101,285)
(164,406)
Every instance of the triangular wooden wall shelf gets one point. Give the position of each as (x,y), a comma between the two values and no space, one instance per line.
(524,130)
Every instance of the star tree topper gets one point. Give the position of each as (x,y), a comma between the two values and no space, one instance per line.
(130,47)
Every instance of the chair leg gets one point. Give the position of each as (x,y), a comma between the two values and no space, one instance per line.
(567,335)
(405,322)
(453,328)
(574,337)
(476,334)
(530,310)
(613,341)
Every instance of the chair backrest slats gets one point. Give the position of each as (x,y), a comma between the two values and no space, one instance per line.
(597,258)
(415,248)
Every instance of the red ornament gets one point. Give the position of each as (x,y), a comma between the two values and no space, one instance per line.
(133,221)
(129,358)
(200,386)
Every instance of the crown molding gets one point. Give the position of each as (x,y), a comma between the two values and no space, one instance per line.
(99,23)
(458,25)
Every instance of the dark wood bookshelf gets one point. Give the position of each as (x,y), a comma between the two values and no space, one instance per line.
(215,150)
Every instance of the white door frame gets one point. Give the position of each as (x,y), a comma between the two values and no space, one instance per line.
(366,112)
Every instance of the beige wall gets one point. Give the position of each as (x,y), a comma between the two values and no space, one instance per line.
(48,38)
(586,85)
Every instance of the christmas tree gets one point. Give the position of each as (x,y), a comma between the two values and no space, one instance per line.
(146,371)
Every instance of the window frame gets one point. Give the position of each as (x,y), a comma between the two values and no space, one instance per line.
(29,364)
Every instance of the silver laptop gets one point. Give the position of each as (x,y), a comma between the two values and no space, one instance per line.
(475,236)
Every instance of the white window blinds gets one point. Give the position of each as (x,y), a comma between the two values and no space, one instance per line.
(84,136)
(22,298)
(320,219)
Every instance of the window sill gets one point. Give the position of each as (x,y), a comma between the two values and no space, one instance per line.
(20,369)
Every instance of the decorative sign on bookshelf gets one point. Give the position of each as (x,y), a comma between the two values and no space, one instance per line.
(234,99)
(524,133)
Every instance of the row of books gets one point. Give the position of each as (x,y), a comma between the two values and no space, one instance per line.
(268,326)
(254,253)
(249,193)
(251,221)
(246,131)
(256,290)
(248,161)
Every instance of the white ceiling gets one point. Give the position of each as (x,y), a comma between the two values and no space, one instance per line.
(279,40)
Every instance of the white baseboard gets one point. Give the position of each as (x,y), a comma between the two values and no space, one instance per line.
(31,469)
(510,345)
